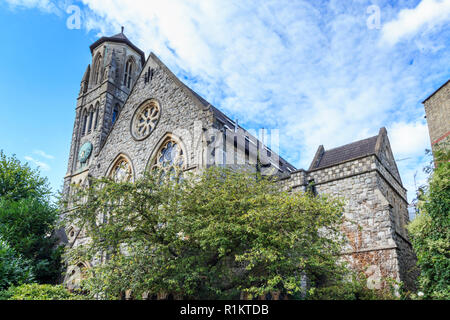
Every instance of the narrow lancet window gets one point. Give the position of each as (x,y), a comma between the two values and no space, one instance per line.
(128,73)
(115,113)
(85,118)
(91,116)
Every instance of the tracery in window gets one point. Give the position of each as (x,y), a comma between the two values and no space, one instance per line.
(170,158)
(145,119)
(121,170)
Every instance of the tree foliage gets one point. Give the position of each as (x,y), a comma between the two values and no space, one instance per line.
(36,291)
(353,286)
(14,269)
(27,225)
(430,231)
(18,181)
(211,236)
(28,218)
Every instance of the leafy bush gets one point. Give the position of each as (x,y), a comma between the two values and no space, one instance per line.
(28,218)
(14,270)
(354,287)
(40,292)
(430,231)
(27,225)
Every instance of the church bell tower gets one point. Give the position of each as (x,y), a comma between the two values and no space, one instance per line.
(105,86)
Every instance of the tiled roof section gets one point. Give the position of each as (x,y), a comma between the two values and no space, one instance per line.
(347,152)
(121,38)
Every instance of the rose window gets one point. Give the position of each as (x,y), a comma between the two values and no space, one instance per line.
(145,120)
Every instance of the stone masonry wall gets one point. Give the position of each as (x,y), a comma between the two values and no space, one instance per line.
(375,200)
(179,112)
(437,109)
(376,207)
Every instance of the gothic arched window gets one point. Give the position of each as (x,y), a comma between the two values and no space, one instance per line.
(115,113)
(84,119)
(121,171)
(75,274)
(127,78)
(91,118)
(97,108)
(170,157)
(97,69)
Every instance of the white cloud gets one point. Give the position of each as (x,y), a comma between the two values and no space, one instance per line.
(427,14)
(408,142)
(43,154)
(44,5)
(409,139)
(310,68)
(42,165)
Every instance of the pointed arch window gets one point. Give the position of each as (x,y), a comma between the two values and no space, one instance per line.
(170,157)
(121,171)
(97,69)
(75,274)
(91,118)
(97,107)
(127,78)
(84,119)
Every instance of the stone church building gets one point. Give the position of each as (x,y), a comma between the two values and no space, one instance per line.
(133,113)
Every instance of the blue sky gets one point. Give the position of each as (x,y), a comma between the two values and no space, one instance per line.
(323,72)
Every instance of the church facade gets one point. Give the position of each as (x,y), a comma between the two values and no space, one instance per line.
(133,114)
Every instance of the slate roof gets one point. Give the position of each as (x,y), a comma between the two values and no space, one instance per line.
(344,153)
(222,117)
(120,38)
(217,113)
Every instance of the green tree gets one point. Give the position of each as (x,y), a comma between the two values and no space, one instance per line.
(212,236)
(19,181)
(14,270)
(28,218)
(430,231)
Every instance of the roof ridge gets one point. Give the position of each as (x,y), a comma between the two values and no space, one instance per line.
(347,144)
(349,151)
